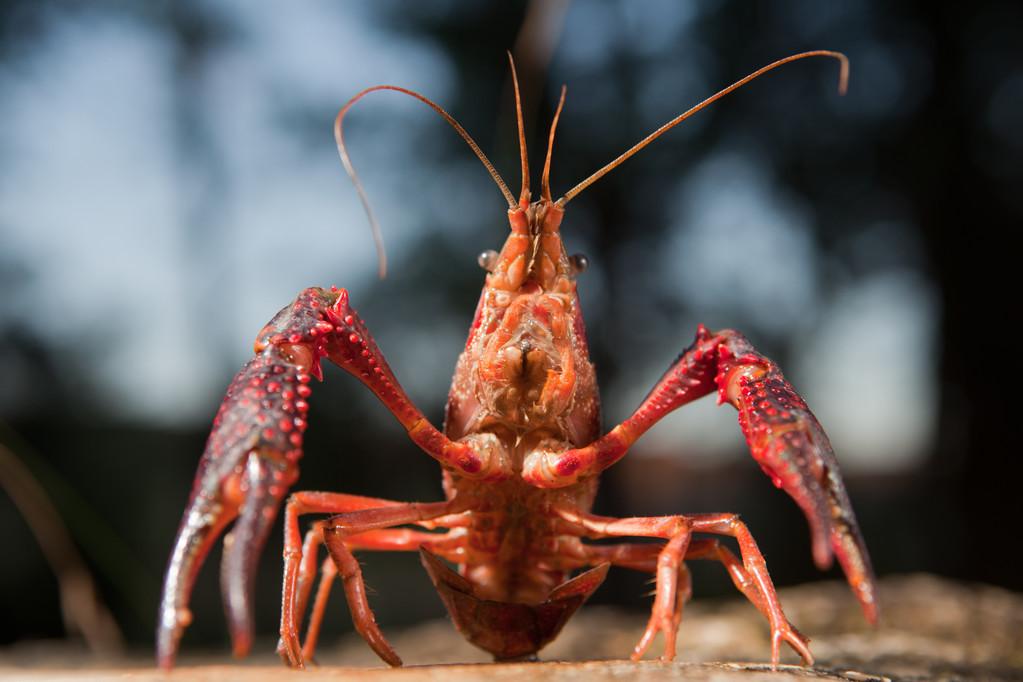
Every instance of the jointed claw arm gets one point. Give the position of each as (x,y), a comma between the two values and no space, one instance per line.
(251,457)
(783,436)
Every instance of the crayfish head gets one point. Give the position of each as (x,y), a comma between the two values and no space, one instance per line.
(533,257)
(526,350)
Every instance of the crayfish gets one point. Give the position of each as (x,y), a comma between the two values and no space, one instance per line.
(521,451)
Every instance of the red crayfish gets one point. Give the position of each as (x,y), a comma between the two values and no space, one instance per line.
(521,452)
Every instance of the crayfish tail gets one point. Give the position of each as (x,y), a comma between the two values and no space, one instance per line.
(506,630)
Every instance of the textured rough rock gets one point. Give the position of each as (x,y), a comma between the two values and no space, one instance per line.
(931,629)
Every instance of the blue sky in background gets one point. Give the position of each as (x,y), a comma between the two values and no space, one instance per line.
(99,198)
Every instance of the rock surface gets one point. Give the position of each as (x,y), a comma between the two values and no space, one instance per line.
(931,629)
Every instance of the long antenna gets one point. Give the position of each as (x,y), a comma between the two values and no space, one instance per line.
(523,154)
(342,151)
(545,180)
(843,80)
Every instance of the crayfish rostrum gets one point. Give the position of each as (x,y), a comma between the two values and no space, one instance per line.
(521,451)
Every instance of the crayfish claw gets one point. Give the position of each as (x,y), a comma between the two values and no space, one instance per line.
(203,523)
(509,631)
(242,547)
(246,469)
(788,442)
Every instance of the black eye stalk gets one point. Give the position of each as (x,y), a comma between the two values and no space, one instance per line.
(579,263)
(487,260)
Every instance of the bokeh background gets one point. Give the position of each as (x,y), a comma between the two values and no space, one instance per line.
(168,181)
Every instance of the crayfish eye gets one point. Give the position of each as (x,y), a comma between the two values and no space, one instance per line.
(579,263)
(487,260)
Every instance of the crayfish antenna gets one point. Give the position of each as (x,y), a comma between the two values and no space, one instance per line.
(545,181)
(843,80)
(524,195)
(346,161)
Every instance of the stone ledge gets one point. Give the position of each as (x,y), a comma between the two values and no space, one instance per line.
(931,629)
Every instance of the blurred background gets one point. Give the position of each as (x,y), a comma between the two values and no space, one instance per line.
(168,181)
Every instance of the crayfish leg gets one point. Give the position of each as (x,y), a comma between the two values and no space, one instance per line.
(756,567)
(676,530)
(359,523)
(450,544)
(673,584)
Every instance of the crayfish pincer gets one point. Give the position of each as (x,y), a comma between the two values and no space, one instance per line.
(521,451)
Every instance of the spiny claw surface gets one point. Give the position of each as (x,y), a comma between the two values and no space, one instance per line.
(249,462)
(788,442)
